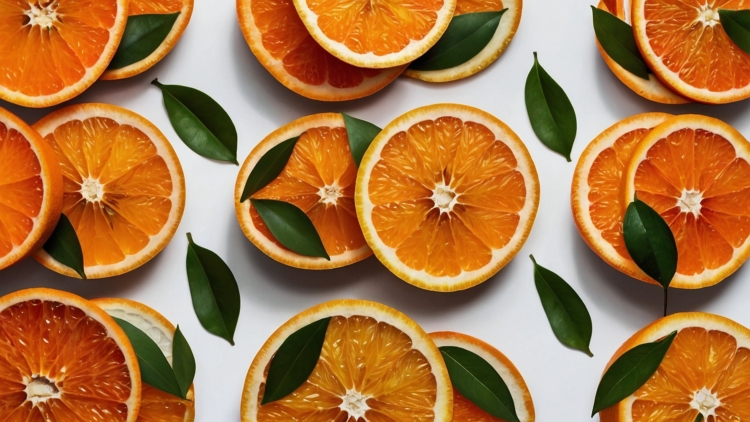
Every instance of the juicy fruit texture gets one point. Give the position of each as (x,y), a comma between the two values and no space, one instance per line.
(158,406)
(466,411)
(146,7)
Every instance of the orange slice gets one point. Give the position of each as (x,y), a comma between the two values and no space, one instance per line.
(156,405)
(684,43)
(65,360)
(296,60)
(376,35)
(54,50)
(705,372)
(319,179)
(466,411)
(596,194)
(651,89)
(124,187)
(31,190)
(497,45)
(446,196)
(155,7)
(695,171)
(376,365)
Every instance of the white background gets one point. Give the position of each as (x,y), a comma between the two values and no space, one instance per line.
(505,311)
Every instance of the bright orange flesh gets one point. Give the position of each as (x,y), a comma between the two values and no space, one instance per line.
(466,411)
(145,7)
(372,358)
(158,406)
(475,6)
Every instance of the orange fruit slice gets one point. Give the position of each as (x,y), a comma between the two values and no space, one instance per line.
(376,365)
(466,411)
(54,50)
(64,360)
(124,186)
(31,190)
(705,372)
(503,36)
(296,60)
(446,196)
(651,89)
(155,7)
(684,43)
(596,194)
(381,35)
(156,405)
(319,179)
(695,172)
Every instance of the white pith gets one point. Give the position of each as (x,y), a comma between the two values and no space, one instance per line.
(708,16)
(690,201)
(39,389)
(92,190)
(705,402)
(444,197)
(43,16)
(330,194)
(355,404)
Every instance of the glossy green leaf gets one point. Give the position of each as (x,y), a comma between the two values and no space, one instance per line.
(629,372)
(143,35)
(736,24)
(214,291)
(360,134)
(295,360)
(566,312)
(269,167)
(183,362)
(202,124)
(699,418)
(65,247)
(291,227)
(479,382)
(616,38)
(467,35)
(650,242)
(551,114)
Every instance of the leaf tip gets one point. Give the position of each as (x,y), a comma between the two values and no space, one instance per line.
(190,238)
(533,259)
(535,57)
(156,82)
(567,157)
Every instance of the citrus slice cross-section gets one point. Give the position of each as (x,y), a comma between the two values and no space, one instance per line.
(319,179)
(124,186)
(596,194)
(31,190)
(65,360)
(376,365)
(376,35)
(53,50)
(706,372)
(695,172)
(296,60)
(446,196)
(156,405)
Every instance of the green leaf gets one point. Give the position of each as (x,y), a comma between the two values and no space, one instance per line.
(269,167)
(736,24)
(360,134)
(143,35)
(155,369)
(630,372)
(616,38)
(467,35)
(566,312)
(479,382)
(213,288)
(291,226)
(650,242)
(183,362)
(551,114)
(202,124)
(295,360)
(699,418)
(64,246)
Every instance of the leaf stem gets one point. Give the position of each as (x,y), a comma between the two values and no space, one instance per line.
(666,299)
(190,238)
(532,259)
(156,82)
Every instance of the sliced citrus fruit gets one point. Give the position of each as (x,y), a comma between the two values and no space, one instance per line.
(446,196)
(31,190)
(155,7)
(466,411)
(376,365)
(684,43)
(651,89)
(65,360)
(319,179)
(381,35)
(705,372)
(596,193)
(124,187)
(695,172)
(499,42)
(54,50)
(280,41)
(156,405)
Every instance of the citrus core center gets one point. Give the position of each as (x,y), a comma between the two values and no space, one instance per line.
(92,190)
(329,194)
(705,402)
(42,14)
(355,404)
(708,16)
(444,198)
(690,201)
(41,389)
